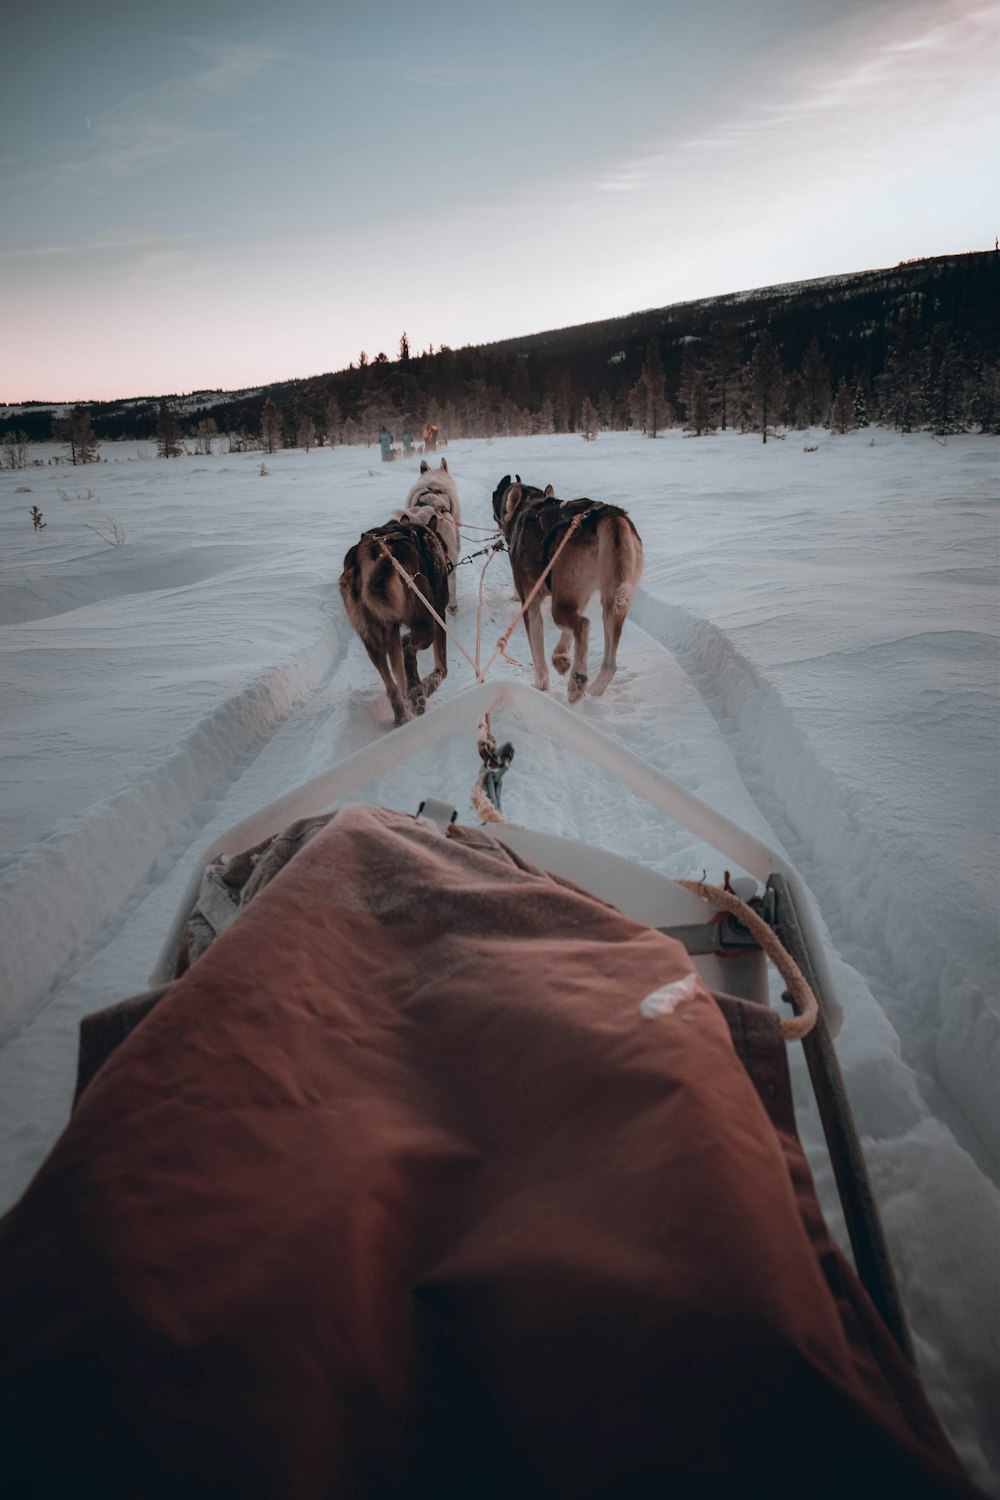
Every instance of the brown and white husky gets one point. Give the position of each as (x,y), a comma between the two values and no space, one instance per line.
(603,554)
(379,604)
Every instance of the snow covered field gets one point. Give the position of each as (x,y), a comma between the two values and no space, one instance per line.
(813,651)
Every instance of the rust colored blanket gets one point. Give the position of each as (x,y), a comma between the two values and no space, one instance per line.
(435,1177)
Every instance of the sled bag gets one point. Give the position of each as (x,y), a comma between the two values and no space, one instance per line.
(434,1176)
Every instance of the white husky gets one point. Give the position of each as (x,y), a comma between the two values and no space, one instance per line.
(433,500)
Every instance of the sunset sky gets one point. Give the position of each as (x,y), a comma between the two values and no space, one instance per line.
(223,194)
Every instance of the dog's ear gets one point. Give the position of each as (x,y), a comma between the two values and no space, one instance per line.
(432,521)
(444,465)
(424,466)
(511,501)
(518,478)
(503,486)
(549,492)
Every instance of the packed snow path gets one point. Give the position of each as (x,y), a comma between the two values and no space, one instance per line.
(807,624)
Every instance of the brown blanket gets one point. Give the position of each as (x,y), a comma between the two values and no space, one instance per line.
(408,1188)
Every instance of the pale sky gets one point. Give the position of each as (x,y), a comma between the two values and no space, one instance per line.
(231,192)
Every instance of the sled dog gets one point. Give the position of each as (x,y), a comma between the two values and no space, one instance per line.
(603,553)
(379,604)
(436,489)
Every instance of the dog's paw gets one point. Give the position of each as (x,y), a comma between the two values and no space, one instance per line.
(577,687)
(560,660)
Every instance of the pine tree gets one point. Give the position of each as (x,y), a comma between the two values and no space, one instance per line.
(333,421)
(903,382)
(725,361)
(271,426)
(404,347)
(816,384)
(205,431)
(305,432)
(168,433)
(589,419)
(842,415)
(692,393)
(946,382)
(650,403)
(861,418)
(766,380)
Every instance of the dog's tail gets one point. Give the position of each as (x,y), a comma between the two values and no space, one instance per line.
(385,591)
(619,563)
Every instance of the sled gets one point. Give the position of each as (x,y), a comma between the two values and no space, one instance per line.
(458,1160)
(725,955)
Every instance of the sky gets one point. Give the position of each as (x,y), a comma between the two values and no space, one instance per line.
(218,196)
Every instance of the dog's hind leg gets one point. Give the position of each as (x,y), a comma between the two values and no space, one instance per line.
(415,694)
(434,679)
(380,660)
(614,620)
(535,629)
(570,621)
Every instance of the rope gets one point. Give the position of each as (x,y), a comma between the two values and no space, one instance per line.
(495,762)
(501,649)
(801,995)
(404,575)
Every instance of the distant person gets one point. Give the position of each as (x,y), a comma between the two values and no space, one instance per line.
(407,442)
(430,437)
(385,443)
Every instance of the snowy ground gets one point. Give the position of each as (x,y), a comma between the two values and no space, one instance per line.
(813,652)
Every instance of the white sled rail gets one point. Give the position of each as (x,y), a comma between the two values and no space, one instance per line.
(462,714)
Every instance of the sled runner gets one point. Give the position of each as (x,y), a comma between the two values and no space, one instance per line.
(435,1167)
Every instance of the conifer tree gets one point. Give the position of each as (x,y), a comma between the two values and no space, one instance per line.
(816,384)
(589,419)
(725,361)
(650,402)
(946,385)
(271,426)
(168,432)
(333,421)
(843,408)
(903,382)
(766,380)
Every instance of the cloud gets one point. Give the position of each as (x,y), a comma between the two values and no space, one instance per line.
(115,240)
(231,66)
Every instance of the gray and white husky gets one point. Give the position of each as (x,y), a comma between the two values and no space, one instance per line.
(433,500)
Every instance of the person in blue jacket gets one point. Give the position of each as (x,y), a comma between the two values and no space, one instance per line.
(385,443)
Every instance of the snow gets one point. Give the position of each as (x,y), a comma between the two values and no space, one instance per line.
(813,652)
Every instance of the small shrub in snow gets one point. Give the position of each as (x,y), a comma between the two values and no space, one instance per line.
(110,531)
(36,519)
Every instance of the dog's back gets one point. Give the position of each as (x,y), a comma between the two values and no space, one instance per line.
(375,597)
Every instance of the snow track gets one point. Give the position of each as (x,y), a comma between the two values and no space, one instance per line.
(884,918)
(59,894)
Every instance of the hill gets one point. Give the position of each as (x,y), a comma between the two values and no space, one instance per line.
(914,345)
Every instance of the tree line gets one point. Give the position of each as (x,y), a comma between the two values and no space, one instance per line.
(750,370)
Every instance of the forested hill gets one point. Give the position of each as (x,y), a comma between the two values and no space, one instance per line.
(853,315)
(916,346)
